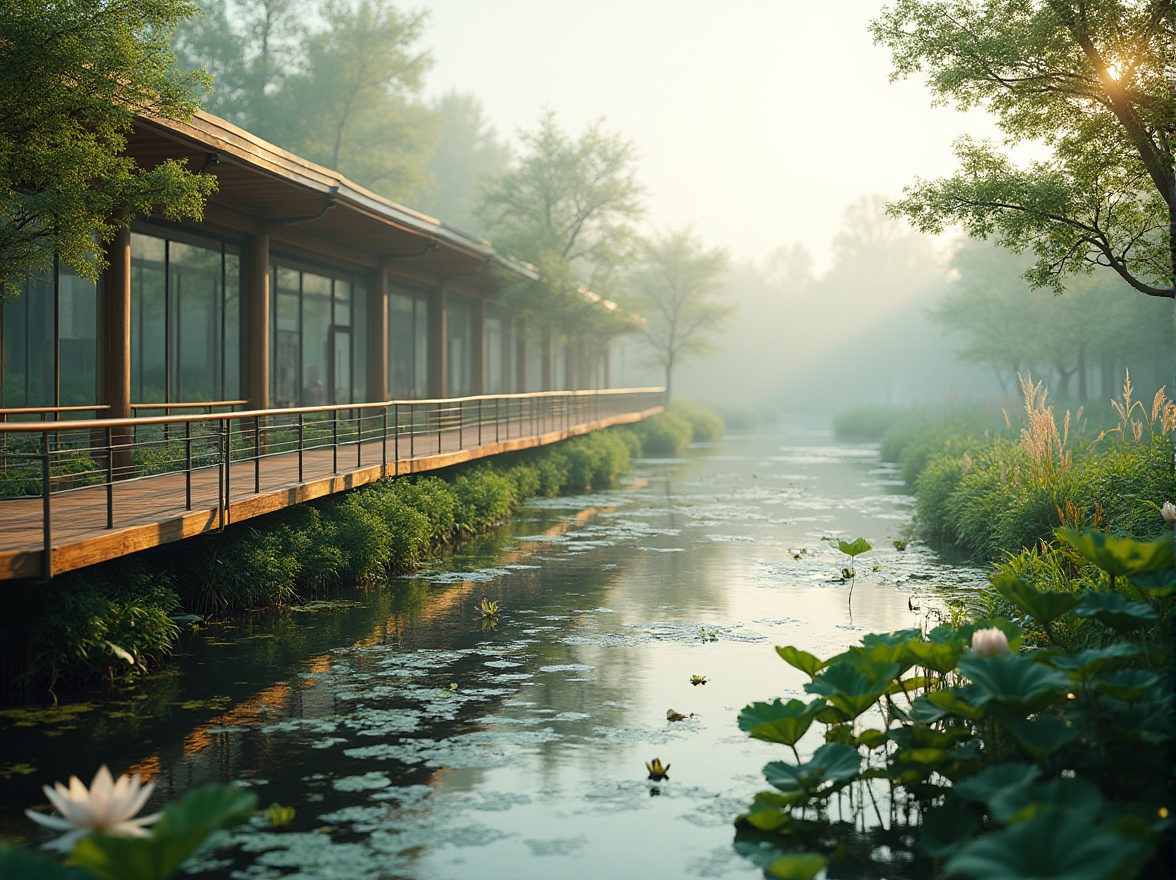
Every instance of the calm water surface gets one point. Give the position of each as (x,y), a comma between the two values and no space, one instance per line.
(415,743)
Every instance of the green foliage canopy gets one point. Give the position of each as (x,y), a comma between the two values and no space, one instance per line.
(1086,79)
(568,207)
(73,76)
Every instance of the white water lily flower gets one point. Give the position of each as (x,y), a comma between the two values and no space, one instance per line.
(107,806)
(990,643)
(1168,512)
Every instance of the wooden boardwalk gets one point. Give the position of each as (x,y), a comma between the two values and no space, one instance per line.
(151,511)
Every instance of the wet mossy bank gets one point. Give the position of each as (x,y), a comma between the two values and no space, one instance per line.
(116,621)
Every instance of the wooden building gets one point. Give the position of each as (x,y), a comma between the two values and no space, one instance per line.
(298,288)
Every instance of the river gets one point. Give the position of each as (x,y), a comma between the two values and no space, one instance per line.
(416,740)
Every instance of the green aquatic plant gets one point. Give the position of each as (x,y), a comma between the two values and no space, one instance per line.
(488,608)
(852,549)
(657,770)
(992,759)
(279,816)
(104,839)
(697,680)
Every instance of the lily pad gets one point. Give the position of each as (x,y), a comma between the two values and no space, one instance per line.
(1045,606)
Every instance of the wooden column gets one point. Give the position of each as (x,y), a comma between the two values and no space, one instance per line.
(377,335)
(478,348)
(548,361)
(115,352)
(438,344)
(521,358)
(257,344)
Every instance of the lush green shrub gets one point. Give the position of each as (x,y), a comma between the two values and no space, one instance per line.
(867,422)
(433,497)
(705,426)
(663,434)
(485,498)
(101,624)
(594,461)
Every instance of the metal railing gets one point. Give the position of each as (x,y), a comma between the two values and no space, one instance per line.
(209,454)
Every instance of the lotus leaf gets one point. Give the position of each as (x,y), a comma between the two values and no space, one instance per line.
(1045,606)
(855,548)
(907,685)
(966,702)
(779,722)
(841,733)
(947,827)
(16,862)
(1013,682)
(1041,737)
(992,780)
(1120,556)
(802,866)
(1127,684)
(831,767)
(871,738)
(1050,846)
(771,810)
(183,827)
(923,711)
(922,737)
(802,660)
(1094,660)
(853,688)
(1156,583)
(1116,611)
(1075,797)
(938,656)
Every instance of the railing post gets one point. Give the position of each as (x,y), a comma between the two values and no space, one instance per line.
(109,477)
(479,421)
(358,416)
(497,417)
(301,441)
(226,457)
(460,424)
(256,455)
(46,511)
(187,465)
(334,441)
(439,428)
(384,434)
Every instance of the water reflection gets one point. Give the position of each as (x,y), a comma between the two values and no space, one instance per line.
(414,741)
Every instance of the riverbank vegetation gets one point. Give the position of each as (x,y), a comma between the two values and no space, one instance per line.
(1029,729)
(114,621)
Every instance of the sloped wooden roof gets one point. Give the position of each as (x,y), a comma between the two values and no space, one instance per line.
(261,181)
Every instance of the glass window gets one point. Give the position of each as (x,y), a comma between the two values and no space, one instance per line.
(459,323)
(319,357)
(79,339)
(28,374)
(185,319)
(401,350)
(534,363)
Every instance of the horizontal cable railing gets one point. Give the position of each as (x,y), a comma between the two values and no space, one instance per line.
(216,457)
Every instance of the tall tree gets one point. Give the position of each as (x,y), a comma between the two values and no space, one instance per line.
(568,206)
(355,105)
(73,76)
(468,155)
(1087,78)
(1098,328)
(248,47)
(677,290)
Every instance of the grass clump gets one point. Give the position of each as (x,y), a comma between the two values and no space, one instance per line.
(981,494)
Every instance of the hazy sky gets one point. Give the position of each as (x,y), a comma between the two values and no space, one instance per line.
(759,121)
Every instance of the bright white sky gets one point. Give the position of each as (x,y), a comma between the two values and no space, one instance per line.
(759,121)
